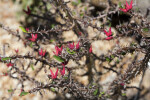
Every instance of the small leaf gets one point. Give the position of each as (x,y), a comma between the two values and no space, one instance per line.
(23,93)
(90,87)
(74,3)
(112,56)
(123,94)
(65,78)
(6,58)
(109,24)
(53,25)
(117,61)
(23,29)
(95,92)
(120,5)
(100,95)
(70,51)
(145,29)
(52,89)
(81,15)
(107,59)
(31,44)
(102,92)
(32,66)
(10,90)
(58,58)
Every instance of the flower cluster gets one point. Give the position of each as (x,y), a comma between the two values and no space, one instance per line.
(54,76)
(34,37)
(127,7)
(108,34)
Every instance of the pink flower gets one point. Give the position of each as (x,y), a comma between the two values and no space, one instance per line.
(78,45)
(108,34)
(90,50)
(52,74)
(9,64)
(41,53)
(16,50)
(28,11)
(34,37)
(127,6)
(58,50)
(62,71)
(71,46)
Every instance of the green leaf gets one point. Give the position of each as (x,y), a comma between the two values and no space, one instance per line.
(112,56)
(70,51)
(95,92)
(65,78)
(23,93)
(53,25)
(6,58)
(81,15)
(52,40)
(58,58)
(31,44)
(117,61)
(102,93)
(145,29)
(32,66)
(120,5)
(10,90)
(76,3)
(109,24)
(23,29)
(52,89)
(123,94)
(90,87)
(107,59)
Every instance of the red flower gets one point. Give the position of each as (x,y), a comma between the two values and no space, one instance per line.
(62,71)
(71,46)
(58,50)
(16,50)
(90,50)
(108,34)
(9,64)
(78,45)
(28,11)
(34,37)
(41,53)
(52,74)
(127,6)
